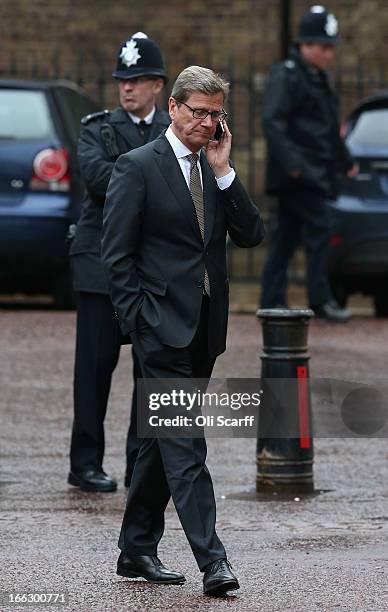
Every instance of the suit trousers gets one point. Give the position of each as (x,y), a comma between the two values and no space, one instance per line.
(172,466)
(303,218)
(97,353)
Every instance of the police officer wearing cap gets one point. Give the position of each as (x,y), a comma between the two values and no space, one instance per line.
(306,160)
(104,136)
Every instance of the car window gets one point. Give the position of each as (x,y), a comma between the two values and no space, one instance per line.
(370,129)
(74,107)
(24,115)
(81,106)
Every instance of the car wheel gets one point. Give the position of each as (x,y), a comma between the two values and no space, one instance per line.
(64,298)
(380,300)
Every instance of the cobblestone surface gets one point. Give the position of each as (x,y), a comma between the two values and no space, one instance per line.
(324,552)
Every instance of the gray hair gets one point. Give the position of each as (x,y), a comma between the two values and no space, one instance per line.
(198,79)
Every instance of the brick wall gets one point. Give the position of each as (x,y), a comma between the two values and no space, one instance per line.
(61,38)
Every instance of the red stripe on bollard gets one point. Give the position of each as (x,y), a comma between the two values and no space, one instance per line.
(303,405)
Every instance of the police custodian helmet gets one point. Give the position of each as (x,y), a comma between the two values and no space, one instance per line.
(138,56)
(318,26)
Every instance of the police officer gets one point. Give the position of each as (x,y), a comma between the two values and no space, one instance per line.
(306,161)
(104,136)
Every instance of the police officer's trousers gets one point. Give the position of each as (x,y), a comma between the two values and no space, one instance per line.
(303,218)
(97,352)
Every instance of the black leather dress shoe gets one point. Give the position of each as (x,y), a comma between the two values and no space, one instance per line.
(92,480)
(331,311)
(218,578)
(148,567)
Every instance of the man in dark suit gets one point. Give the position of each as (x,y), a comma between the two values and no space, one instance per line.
(169,207)
(104,136)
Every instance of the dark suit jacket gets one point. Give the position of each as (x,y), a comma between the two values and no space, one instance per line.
(153,251)
(96,164)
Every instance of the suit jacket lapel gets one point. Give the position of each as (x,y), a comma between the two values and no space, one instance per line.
(209,196)
(173,175)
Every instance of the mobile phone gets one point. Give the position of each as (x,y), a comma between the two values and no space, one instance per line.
(219,131)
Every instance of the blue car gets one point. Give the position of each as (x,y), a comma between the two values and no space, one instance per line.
(358,259)
(40,185)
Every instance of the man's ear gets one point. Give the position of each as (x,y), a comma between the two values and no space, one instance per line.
(172,107)
(158,86)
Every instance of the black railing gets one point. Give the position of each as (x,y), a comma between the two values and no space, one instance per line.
(244,109)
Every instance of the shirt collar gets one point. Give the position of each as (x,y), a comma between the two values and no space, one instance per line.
(177,145)
(148,119)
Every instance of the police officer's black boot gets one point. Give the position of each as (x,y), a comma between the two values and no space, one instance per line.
(332,311)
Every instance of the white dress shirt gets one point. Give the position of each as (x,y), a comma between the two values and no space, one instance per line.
(180,151)
(148,119)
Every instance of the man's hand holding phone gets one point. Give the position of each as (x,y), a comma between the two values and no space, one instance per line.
(218,150)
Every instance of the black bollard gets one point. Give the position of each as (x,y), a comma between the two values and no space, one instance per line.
(285,442)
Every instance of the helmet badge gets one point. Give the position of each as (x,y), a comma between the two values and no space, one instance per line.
(130,53)
(331,27)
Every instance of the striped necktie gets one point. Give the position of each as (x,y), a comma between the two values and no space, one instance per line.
(197,195)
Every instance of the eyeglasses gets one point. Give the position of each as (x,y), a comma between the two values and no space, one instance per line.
(201,113)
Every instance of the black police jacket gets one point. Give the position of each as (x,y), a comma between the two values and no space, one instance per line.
(104,136)
(300,122)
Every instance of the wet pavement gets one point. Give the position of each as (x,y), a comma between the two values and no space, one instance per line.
(324,552)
